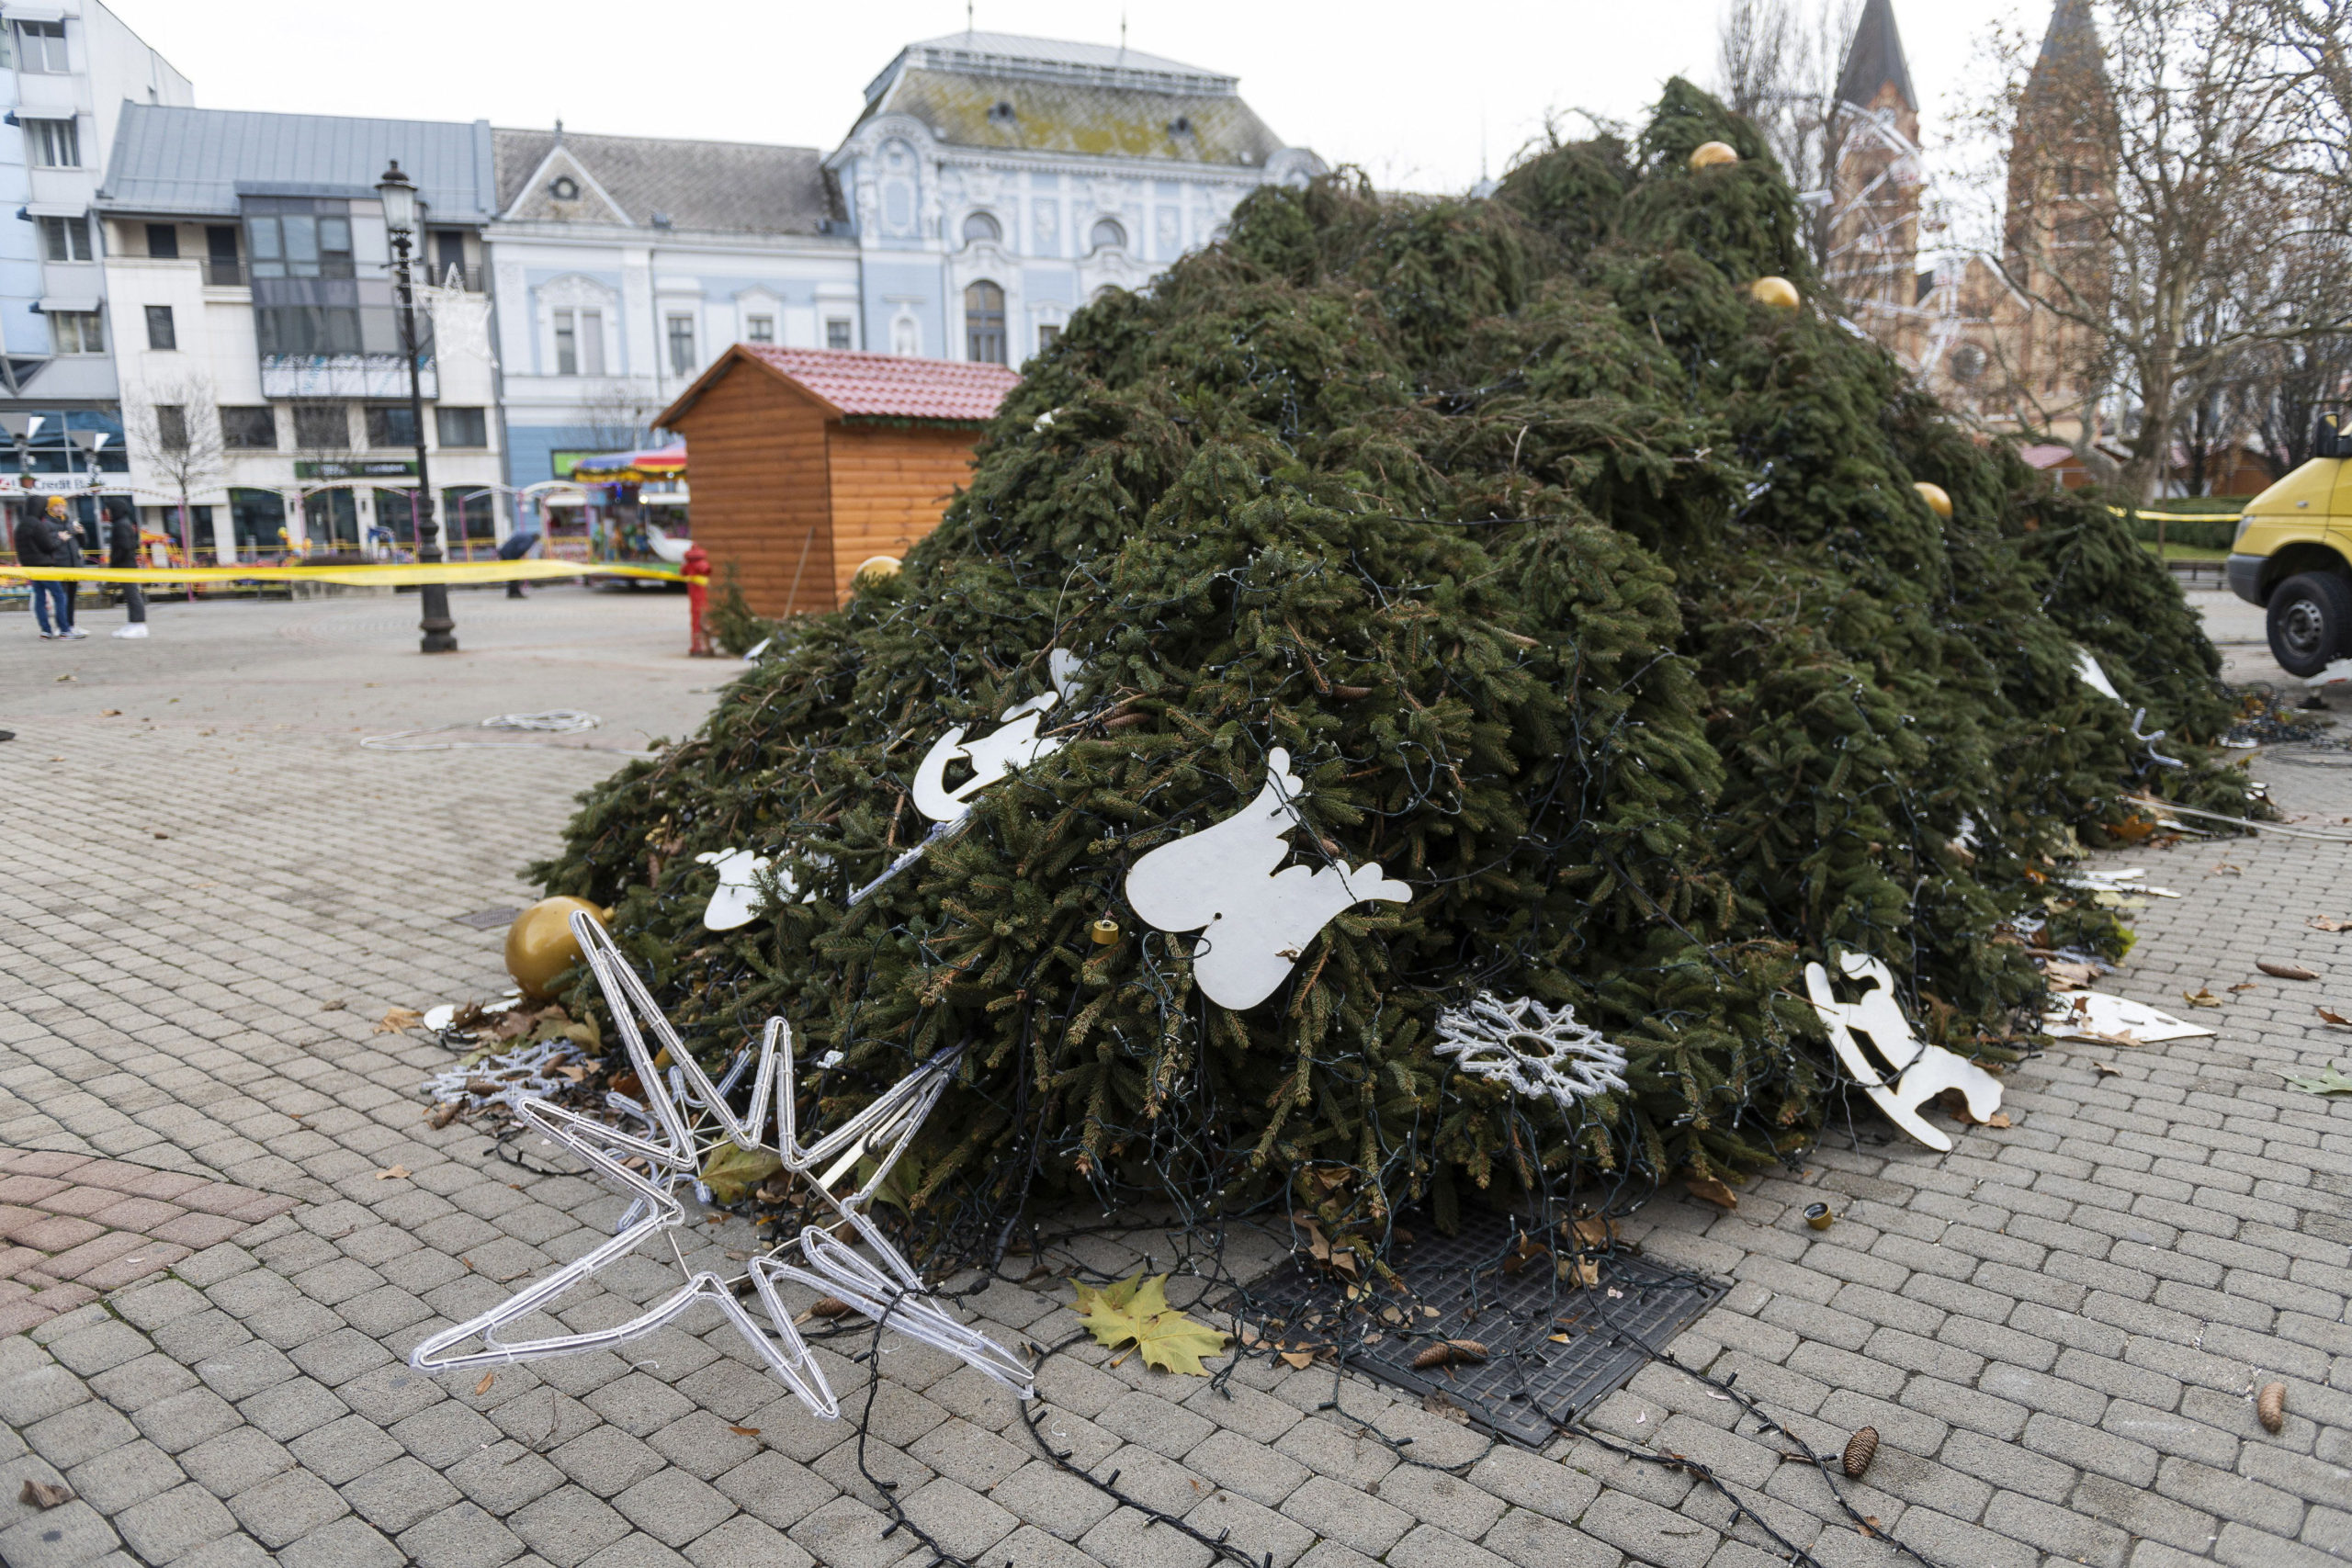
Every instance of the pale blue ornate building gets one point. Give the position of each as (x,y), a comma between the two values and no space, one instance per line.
(997,182)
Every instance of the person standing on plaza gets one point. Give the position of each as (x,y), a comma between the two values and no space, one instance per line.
(49,539)
(122,551)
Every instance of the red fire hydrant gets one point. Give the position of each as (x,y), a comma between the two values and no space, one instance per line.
(697,567)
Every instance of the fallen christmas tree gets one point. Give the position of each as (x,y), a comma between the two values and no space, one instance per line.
(1586,594)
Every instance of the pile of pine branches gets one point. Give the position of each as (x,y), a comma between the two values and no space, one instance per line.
(1592,599)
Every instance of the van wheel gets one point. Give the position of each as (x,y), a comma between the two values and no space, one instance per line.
(2310,622)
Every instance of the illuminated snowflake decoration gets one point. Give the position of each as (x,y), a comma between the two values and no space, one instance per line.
(1542,1052)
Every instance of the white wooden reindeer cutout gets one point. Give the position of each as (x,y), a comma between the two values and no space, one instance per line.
(1916,1071)
(1253,921)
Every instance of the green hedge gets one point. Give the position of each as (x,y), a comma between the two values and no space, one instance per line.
(2206,533)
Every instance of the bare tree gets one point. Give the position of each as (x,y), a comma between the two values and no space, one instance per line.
(618,416)
(1777,64)
(2173,194)
(176,442)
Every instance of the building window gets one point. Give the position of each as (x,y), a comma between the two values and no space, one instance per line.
(77,332)
(759,328)
(171,427)
(837,333)
(391,424)
(322,426)
(221,265)
(1108,235)
(249,429)
(65,239)
(306,332)
(682,345)
(256,517)
(161,333)
(563,188)
(41,47)
(52,143)
(984,322)
(1046,332)
(164,240)
(906,337)
(468,513)
(578,343)
(462,427)
(980,226)
(300,245)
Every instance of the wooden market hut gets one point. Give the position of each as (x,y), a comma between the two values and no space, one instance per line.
(807,462)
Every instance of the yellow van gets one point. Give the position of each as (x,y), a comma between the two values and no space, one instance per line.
(2294,556)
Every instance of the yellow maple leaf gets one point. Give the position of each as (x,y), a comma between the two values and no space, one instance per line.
(732,1171)
(1136,1310)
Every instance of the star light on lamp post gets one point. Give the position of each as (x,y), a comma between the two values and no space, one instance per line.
(400,223)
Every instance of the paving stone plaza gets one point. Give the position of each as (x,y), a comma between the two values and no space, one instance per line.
(210,1280)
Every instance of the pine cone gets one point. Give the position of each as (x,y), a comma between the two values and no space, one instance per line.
(1861,1448)
(1451,1353)
(2270,1404)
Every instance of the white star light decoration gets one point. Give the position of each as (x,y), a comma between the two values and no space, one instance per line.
(689,1122)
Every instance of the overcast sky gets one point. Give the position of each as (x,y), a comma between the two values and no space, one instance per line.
(1416,94)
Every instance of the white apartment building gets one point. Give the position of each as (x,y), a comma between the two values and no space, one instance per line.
(263,384)
(68,68)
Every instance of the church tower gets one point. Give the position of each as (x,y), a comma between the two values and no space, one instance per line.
(1870,226)
(2055,236)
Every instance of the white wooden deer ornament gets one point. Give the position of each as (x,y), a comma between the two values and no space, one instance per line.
(1915,1072)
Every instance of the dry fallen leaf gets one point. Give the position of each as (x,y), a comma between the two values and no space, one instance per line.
(2247,986)
(397,1020)
(1136,1310)
(1302,1359)
(336,1006)
(2103,1070)
(1711,1190)
(2336,1018)
(441,1114)
(2202,996)
(2322,923)
(744,1431)
(44,1493)
(395,1173)
(2285,971)
(2223,868)
(483,1387)
(109,713)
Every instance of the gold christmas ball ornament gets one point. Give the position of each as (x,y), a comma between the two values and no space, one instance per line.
(1709,154)
(1777,292)
(876,569)
(1939,500)
(541,946)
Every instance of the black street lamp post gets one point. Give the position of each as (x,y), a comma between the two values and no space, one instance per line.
(400,221)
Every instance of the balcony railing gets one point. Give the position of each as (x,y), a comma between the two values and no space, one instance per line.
(222,273)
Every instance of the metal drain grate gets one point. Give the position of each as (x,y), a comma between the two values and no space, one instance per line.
(1528,1376)
(488,920)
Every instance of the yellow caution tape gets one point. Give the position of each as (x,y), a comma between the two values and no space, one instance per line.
(2178,516)
(405,576)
